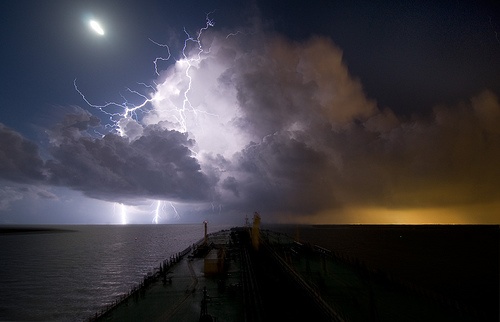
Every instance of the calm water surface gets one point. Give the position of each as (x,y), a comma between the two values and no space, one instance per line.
(69,275)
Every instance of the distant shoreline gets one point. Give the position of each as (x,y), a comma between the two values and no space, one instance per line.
(32,230)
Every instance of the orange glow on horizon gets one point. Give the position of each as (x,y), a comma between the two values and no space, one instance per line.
(470,214)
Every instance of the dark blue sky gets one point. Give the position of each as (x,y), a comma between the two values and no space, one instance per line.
(48,44)
(409,55)
(381,99)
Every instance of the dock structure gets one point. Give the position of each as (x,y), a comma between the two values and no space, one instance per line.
(224,277)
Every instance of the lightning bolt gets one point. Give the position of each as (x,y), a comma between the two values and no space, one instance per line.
(122,212)
(233,34)
(160,207)
(155,61)
(215,207)
(193,52)
(176,216)
(129,110)
(191,61)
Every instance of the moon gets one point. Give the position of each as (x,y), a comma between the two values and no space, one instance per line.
(96,27)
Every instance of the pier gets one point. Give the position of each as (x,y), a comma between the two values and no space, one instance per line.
(229,276)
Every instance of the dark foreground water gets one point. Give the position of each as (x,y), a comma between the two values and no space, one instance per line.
(460,262)
(70,273)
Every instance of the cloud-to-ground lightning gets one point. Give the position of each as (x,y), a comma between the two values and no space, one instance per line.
(177,216)
(256,118)
(191,55)
(160,206)
(122,212)
(96,26)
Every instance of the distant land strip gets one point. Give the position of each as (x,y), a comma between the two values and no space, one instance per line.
(32,230)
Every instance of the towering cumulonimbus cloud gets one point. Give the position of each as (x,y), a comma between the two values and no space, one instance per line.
(258,122)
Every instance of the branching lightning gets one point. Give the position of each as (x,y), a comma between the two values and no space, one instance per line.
(214,207)
(129,110)
(160,207)
(190,62)
(176,216)
(155,61)
(191,56)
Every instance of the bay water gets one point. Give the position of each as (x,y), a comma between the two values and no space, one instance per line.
(71,272)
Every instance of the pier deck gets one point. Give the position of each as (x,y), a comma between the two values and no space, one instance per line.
(283,280)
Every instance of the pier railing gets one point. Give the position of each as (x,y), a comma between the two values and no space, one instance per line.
(152,276)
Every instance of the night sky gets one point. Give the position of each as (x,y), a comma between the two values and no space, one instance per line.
(305,111)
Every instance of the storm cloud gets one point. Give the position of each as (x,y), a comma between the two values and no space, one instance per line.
(158,164)
(276,126)
(19,158)
(10,193)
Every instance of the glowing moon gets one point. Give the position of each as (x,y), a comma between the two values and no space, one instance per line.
(96,27)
